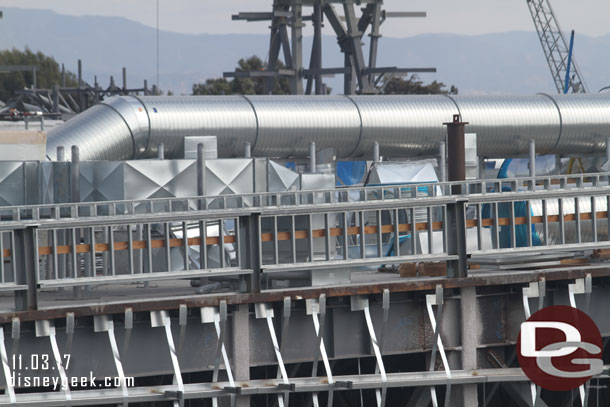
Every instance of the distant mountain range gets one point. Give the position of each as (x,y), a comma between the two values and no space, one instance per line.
(510,62)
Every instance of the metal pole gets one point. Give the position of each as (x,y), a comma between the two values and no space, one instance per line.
(376,156)
(42,123)
(456,151)
(442,164)
(63,76)
(558,162)
(317,38)
(55,98)
(60,153)
(456,212)
(532,154)
(160,151)
(75,175)
(124,79)
(200,170)
(481,167)
(26,122)
(297,48)
(608,149)
(81,103)
(75,197)
(247,150)
(312,157)
(61,234)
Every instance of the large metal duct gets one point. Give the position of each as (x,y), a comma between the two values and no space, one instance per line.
(126,127)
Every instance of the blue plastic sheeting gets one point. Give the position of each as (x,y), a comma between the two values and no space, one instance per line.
(350,172)
(519,167)
(503,173)
(520,230)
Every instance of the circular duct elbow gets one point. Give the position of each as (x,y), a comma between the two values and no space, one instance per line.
(100,132)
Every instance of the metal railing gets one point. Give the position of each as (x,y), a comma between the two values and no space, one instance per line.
(297,198)
(85,244)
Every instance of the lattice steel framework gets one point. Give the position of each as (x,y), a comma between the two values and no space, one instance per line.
(360,75)
(555,47)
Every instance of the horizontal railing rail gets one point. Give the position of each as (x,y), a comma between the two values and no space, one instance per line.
(322,232)
(299,198)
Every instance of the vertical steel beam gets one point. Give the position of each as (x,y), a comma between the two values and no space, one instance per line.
(25,257)
(55,98)
(354,37)
(275,43)
(442,164)
(297,47)
(376,155)
(456,151)
(317,47)
(312,157)
(374,42)
(248,247)
(241,348)
(469,311)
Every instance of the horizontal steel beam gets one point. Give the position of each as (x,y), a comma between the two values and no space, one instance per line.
(273,386)
(482,279)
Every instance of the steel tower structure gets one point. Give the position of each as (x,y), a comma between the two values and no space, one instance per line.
(361,74)
(555,47)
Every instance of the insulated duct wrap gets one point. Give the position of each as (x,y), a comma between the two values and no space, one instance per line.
(127,127)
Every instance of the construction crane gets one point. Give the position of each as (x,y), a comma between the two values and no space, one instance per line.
(565,72)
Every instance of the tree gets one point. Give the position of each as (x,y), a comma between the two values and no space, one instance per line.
(244,86)
(414,86)
(47,72)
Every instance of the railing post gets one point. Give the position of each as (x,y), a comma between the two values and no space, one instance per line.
(456,239)
(249,245)
(25,257)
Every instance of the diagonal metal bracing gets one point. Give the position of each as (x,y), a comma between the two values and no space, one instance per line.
(437,344)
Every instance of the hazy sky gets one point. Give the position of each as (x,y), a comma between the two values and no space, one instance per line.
(447,16)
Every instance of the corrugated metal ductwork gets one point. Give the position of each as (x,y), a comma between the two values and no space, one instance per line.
(126,127)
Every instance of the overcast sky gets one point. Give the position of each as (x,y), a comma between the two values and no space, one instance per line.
(444,16)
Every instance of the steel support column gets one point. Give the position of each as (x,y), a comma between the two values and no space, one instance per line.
(241,349)
(297,48)
(469,311)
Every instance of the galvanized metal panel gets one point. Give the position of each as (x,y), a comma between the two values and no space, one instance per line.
(12,183)
(160,178)
(232,176)
(282,179)
(102,181)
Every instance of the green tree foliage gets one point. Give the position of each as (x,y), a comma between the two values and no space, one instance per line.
(243,86)
(47,72)
(414,86)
